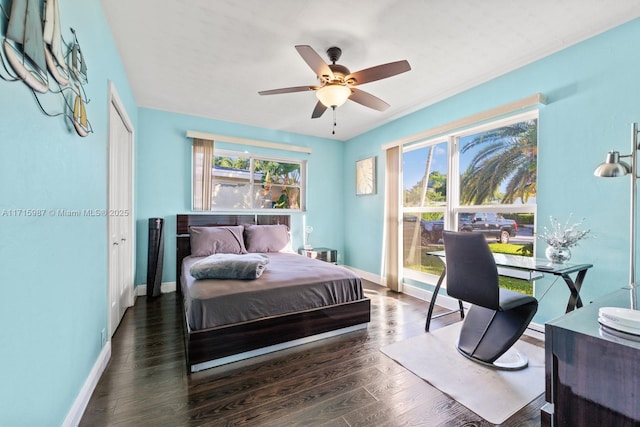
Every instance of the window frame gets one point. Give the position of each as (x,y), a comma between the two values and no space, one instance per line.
(456,208)
(417,146)
(452,207)
(252,157)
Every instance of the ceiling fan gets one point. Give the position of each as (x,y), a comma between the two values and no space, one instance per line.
(337,82)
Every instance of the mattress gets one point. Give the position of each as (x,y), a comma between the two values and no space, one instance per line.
(289,283)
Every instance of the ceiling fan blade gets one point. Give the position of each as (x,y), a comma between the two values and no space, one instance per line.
(318,110)
(315,61)
(368,100)
(378,72)
(288,90)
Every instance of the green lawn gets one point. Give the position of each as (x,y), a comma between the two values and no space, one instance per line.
(432,265)
(519,285)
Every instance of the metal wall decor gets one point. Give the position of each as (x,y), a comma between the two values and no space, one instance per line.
(34,49)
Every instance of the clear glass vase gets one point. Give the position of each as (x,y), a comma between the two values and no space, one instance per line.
(557,254)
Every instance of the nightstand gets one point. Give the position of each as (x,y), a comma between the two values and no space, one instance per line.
(323,254)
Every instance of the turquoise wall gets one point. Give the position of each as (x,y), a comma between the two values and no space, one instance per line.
(164,179)
(54,269)
(592,91)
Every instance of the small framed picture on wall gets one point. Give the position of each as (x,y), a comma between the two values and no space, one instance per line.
(366,176)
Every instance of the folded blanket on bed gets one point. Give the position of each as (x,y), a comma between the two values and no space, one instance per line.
(230,266)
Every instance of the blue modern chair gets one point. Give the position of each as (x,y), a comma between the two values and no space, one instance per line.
(497,317)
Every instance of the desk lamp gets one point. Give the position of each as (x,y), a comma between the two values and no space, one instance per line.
(614,167)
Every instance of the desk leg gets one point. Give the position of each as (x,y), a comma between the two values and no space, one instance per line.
(432,303)
(574,299)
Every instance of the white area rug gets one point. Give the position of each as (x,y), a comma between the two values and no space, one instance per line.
(492,394)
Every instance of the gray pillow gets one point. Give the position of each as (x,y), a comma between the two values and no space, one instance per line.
(207,241)
(266,238)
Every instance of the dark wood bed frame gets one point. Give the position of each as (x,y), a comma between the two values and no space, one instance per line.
(216,346)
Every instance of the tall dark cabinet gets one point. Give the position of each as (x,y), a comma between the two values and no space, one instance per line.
(592,378)
(155,257)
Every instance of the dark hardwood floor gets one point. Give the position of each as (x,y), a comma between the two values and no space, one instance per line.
(340,381)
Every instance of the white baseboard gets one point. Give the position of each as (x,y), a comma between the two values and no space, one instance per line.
(366,275)
(443,300)
(165,288)
(82,400)
(535,330)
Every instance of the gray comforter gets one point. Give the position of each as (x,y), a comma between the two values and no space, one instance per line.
(289,283)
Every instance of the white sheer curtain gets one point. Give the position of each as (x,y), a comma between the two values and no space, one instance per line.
(391,253)
(202,163)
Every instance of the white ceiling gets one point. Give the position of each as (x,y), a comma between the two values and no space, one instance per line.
(210,58)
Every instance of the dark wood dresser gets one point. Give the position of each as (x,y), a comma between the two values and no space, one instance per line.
(592,378)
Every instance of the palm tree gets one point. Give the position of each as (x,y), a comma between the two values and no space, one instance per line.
(240,163)
(507,154)
(286,176)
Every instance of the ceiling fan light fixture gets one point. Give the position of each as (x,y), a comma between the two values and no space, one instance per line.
(333,95)
(337,83)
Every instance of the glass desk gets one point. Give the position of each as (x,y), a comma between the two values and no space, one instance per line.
(528,264)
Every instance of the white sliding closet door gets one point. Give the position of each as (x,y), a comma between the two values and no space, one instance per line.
(120,211)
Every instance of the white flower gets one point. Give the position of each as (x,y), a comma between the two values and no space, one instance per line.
(563,236)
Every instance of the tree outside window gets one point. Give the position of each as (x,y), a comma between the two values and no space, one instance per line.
(493,193)
(244,181)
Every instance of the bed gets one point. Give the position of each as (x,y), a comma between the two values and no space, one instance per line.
(291,300)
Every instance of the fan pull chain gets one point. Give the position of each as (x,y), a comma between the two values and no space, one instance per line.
(334,119)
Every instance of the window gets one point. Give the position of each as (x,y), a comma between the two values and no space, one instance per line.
(481,180)
(425,168)
(249,182)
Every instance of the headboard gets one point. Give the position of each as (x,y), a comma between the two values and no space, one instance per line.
(185,221)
